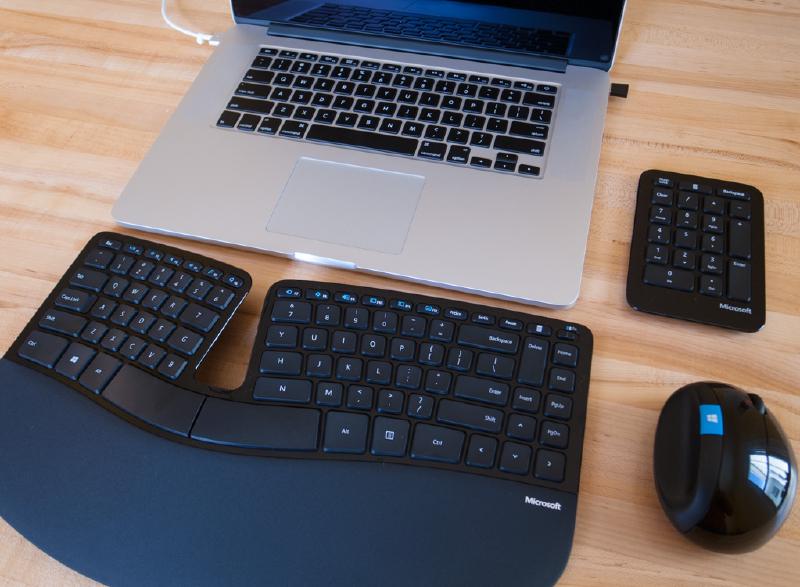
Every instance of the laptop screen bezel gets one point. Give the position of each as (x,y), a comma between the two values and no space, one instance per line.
(245,11)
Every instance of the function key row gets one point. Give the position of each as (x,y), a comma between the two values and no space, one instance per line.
(101,258)
(568,332)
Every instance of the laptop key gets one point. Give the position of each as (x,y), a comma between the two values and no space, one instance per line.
(488,93)
(458,154)
(284,110)
(539,100)
(474,122)
(539,115)
(457,135)
(390,125)
(528,170)
(366,106)
(386,109)
(432,150)
(347,119)
(355,138)
(365,90)
(481,139)
(516,145)
(228,119)
(301,67)
(342,102)
(250,105)
(533,131)
(262,62)
(325,116)
(253,90)
(259,76)
(451,103)
(249,122)
(324,85)
(513,96)
(436,133)
(269,126)
(368,122)
(386,94)
(429,115)
(519,112)
(481,162)
(281,94)
(408,96)
(304,113)
(301,97)
(497,125)
(413,129)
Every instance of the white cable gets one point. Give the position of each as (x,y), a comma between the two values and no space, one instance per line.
(199,37)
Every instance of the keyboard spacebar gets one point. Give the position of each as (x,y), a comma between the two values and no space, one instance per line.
(253,426)
(357,138)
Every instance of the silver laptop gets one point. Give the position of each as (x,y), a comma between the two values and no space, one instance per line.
(452,143)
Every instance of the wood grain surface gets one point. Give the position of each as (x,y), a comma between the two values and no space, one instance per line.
(86,85)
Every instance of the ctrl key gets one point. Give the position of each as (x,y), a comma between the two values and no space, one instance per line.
(43,349)
(435,443)
(99,372)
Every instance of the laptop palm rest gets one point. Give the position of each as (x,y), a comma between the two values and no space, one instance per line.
(347,205)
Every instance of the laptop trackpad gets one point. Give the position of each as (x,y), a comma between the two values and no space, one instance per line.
(347,205)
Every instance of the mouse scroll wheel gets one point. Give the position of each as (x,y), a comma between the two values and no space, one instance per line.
(758,403)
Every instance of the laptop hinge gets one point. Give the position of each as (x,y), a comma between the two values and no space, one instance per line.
(539,62)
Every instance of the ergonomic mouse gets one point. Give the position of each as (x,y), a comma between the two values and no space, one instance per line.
(724,470)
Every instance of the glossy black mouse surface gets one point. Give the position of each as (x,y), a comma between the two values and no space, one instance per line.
(724,470)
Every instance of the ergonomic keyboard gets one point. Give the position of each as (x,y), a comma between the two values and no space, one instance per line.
(477,406)
(433,29)
(697,251)
(457,117)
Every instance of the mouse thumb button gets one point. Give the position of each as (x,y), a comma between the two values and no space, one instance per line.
(758,403)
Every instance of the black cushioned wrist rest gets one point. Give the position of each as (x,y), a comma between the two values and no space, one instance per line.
(127,507)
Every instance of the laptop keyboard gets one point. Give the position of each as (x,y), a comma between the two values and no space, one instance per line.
(431,28)
(337,371)
(447,116)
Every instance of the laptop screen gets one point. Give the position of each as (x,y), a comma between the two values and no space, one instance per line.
(582,32)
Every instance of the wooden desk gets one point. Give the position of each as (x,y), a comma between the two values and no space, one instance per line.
(86,85)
